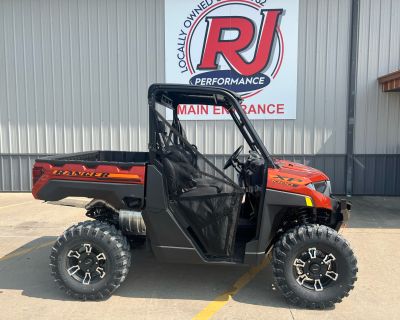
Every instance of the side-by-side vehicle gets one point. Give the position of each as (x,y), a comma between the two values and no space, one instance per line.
(190,210)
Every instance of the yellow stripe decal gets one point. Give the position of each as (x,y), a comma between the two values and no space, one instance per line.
(224,298)
(123,176)
(309,202)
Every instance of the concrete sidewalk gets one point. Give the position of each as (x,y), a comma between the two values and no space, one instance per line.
(162,291)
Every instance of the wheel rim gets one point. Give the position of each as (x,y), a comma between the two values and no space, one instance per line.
(315,269)
(86,263)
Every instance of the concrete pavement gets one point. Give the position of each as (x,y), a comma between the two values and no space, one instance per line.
(164,291)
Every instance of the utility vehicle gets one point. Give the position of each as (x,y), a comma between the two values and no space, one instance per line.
(190,210)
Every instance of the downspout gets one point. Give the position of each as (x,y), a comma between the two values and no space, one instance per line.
(351,100)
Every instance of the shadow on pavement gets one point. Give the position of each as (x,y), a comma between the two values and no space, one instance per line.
(27,268)
(29,272)
(152,279)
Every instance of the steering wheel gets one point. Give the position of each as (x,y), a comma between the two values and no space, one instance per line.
(233,158)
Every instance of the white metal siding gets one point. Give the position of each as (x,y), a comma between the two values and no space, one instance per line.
(75,75)
(377,113)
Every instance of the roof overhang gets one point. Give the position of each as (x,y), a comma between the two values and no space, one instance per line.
(390,82)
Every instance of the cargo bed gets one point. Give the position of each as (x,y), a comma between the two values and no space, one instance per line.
(96,158)
(115,176)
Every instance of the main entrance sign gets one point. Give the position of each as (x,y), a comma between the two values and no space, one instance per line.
(248,46)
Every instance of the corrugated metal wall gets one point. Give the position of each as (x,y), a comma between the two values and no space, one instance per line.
(75,75)
(377,133)
(377,113)
(15,171)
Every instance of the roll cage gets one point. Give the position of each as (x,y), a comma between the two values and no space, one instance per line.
(171,95)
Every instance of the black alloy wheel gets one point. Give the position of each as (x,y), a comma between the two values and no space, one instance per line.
(86,263)
(90,260)
(314,266)
(315,269)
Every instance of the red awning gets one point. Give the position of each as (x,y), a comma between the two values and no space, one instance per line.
(390,82)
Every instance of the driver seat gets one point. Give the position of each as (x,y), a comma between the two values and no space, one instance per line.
(183,177)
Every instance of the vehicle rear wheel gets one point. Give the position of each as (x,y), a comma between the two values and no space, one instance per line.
(314,266)
(90,260)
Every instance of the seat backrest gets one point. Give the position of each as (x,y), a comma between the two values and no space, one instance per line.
(170,176)
(178,170)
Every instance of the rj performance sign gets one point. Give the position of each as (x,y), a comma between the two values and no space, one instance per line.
(248,46)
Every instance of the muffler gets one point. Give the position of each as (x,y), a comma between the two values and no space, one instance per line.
(132,223)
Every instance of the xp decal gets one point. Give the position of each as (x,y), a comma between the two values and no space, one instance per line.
(289,181)
(248,46)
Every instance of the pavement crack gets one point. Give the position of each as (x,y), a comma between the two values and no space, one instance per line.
(291,313)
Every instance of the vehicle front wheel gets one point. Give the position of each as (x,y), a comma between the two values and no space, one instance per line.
(314,266)
(90,260)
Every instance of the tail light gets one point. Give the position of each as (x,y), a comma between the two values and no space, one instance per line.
(37,172)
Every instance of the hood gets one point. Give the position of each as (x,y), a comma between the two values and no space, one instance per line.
(291,176)
(294,177)
(300,170)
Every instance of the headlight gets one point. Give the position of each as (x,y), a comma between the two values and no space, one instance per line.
(323,187)
(311,186)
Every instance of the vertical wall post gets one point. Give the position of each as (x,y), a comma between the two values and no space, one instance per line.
(351,102)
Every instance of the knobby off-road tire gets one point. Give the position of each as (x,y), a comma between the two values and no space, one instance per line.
(314,266)
(92,246)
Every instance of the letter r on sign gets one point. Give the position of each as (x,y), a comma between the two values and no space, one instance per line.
(230,49)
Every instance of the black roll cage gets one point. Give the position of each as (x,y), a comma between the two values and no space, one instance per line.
(171,95)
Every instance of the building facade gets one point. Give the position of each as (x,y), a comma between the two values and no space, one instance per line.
(74,77)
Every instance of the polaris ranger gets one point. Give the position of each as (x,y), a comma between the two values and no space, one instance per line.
(191,211)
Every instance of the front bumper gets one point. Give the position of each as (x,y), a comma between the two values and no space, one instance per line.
(341,212)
